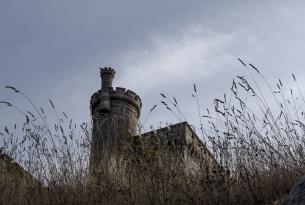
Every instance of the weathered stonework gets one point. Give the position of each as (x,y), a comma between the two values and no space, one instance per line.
(186,148)
(17,185)
(115,113)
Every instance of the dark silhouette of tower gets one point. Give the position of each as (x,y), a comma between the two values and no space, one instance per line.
(115,113)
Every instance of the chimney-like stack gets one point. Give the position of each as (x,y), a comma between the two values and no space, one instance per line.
(107,75)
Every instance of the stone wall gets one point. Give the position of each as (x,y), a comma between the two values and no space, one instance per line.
(186,146)
(17,186)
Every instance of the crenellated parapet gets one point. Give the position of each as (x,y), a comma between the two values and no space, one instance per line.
(107,70)
(118,94)
(107,75)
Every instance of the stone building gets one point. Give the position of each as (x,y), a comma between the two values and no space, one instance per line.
(16,184)
(185,147)
(115,113)
(10,168)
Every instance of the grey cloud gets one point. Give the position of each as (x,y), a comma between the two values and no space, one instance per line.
(52,49)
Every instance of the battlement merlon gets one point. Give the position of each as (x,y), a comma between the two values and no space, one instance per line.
(107,75)
(117,93)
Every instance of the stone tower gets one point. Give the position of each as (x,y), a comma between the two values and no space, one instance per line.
(115,113)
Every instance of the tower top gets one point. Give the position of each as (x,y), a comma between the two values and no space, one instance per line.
(107,70)
(109,98)
(107,75)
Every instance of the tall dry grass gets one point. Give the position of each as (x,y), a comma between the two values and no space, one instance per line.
(256,133)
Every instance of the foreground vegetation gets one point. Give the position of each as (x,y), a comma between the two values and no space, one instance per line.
(257,136)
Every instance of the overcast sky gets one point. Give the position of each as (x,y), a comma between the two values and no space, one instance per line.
(52,49)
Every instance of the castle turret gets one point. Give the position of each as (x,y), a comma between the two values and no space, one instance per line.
(107,75)
(115,113)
